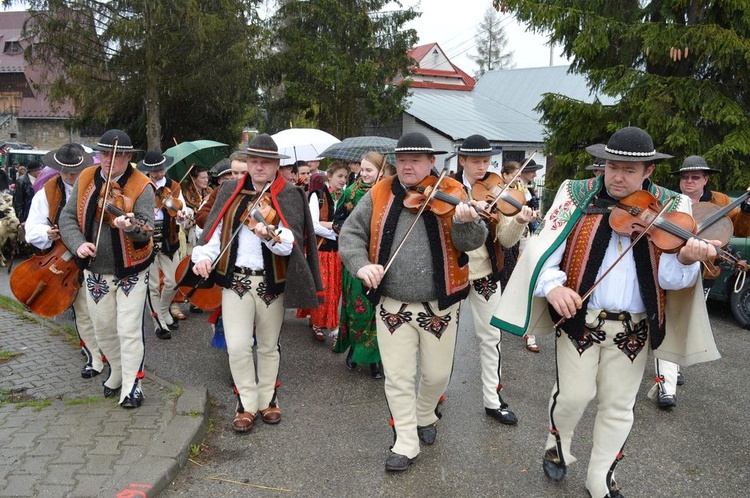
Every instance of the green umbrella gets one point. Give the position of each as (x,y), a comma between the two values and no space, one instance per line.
(204,153)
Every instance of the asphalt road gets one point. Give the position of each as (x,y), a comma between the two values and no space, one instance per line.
(334,435)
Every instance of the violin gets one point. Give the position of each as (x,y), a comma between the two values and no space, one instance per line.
(165,200)
(261,212)
(493,191)
(669,233)
(450,193)
(201,291)
(117,204)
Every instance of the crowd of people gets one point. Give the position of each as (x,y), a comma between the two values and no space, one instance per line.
(379,259)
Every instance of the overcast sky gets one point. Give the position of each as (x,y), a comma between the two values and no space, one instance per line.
(453,24)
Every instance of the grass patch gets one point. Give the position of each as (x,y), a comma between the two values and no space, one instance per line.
(7,355)
(195,450)
(13,395)
(10,303)
(37,405)
(177,392)
(85,401)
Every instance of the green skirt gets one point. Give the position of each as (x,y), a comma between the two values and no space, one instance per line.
(357,328)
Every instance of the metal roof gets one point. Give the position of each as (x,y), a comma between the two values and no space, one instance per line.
(501,106)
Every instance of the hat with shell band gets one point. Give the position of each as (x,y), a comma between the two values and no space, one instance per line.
(70,158)
(155,161)
(107,142)
(477,145)
(695,163)
(630,144)
(597,166)
(415,143)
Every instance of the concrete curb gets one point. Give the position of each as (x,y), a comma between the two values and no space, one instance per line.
(170,452)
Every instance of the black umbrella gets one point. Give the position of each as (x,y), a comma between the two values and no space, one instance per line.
(353,148)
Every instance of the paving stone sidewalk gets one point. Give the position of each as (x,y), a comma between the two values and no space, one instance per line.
(60,437)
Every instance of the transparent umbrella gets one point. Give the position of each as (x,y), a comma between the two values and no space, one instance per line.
(302,143)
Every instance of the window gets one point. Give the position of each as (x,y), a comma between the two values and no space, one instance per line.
(12,47)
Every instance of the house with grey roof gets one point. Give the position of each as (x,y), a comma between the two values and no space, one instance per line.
(500,107)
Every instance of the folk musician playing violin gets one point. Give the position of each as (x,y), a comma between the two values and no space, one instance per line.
(694,177)
(417,312)
(170,211)
(270,266)
(651,301)
(119,255)
(486,264)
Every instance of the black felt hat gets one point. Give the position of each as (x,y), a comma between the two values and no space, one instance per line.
(597,166)
(264,145)
(532,166)
(695,163)
(70,158)
(630,144)
(477,145)
(33,166)
(106,143)
(415,143)
(223,167)
(155,161)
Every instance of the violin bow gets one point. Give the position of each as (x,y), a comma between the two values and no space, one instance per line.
(434,191)
(187,173)
(106,192)
(515,177)
(622,255)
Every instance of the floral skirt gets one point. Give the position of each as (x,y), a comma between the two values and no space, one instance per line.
(327,314)
(357,323)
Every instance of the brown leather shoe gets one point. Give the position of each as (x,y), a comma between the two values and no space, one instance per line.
(243,421)
(319,334)
(531,343)
(271,415)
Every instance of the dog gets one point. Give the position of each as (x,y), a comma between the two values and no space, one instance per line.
(9,235)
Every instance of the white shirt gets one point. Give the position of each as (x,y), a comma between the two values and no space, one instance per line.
(37,223)
(320,230)
(619,291)
(249,251)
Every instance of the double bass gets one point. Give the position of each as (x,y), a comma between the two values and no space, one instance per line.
(47,284)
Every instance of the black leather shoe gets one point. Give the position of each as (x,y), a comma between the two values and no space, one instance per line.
(666,400)
(376,370)
(111,393)
(615,493)
(502,415)
(351,365)
(553,467)
(396,462)
(163,334)
(680,379)
(89,372)
(195,309)
(427,434)
(173,326)
(134,400)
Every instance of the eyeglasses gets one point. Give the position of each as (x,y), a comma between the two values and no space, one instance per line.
(694,178)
